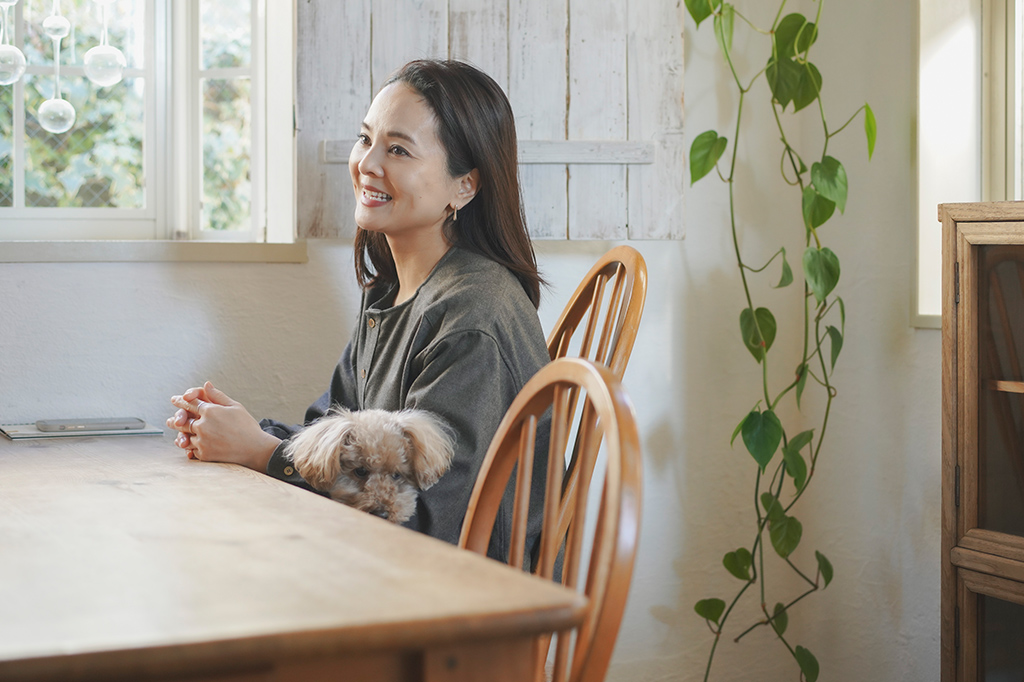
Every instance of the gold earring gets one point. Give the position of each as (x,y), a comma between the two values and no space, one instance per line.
(455,213)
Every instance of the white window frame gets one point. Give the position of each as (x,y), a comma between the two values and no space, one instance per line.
(164,218)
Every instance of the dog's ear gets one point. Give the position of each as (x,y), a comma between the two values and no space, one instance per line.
(314,450)
(432,446)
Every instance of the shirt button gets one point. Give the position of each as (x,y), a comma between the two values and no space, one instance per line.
(363,373)
(372,323)
(288,471)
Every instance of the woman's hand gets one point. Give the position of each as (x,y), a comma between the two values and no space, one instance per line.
(214,428)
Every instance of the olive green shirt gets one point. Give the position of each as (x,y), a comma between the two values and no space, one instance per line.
(461,347)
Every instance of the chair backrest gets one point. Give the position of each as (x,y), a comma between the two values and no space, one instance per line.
(585,656)
(616,310)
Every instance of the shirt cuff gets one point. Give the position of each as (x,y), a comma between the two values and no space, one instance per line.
(281,468)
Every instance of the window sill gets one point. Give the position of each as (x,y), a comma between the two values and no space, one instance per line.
(97,251)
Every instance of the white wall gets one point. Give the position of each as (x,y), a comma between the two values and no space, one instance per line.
(104,339)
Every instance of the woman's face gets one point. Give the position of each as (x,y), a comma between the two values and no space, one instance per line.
(399,167)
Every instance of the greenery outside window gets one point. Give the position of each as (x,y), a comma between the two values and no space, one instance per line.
(178,149)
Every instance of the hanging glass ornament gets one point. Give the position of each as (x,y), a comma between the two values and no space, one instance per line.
(12,60)
(104,64)
(56,115)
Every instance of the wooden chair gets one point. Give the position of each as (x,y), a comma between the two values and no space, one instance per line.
(583,654)
(617,311)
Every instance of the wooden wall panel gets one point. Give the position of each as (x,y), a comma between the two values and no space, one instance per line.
(596,89)
(597,111)
(537,89)
(332,92)
(478,34)
(404,30)
(656,115)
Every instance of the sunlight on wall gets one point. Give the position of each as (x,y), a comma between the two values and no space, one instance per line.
(949,134)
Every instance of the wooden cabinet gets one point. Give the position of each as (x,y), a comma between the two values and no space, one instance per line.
(983,442)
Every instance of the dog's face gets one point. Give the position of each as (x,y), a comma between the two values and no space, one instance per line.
(373,460)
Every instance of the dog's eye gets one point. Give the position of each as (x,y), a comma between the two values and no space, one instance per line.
(361,472)
(397,476)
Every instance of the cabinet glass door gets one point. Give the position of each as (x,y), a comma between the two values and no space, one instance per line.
(1001,393)
(1001,645)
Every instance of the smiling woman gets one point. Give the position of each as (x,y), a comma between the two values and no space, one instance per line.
(448,321)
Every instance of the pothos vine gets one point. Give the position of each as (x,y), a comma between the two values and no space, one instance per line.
(792,79)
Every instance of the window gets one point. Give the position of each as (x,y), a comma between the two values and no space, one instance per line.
(178,149)
(971,122)
(1002,141)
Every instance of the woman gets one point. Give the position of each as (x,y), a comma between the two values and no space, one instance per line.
(448,318)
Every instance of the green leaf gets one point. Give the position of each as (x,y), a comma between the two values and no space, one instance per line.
(701,9)
(829,178)
(808,86)
(817,209)
(837,343)
(751,338)
(724,21)
(821,269)
(773,510)
(784,77)
(794,35)
(787,273)
(736,431)
(785,534)
(796,466)
(870,129)
(801,439)
(710,609)
(780,619)
(801,381)
(808,664)
(824,567)
(762,433)
(738,563)
(842,313)
(705,152)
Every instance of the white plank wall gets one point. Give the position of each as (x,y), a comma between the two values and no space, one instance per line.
(537,88)
(597,111)
(596,88)
(655,60)
(332,90)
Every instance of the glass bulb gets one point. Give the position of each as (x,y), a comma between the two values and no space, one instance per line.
(12,64)
(56,115)
(56,26)
(104,65)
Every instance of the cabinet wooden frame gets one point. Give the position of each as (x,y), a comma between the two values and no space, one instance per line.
(975,561)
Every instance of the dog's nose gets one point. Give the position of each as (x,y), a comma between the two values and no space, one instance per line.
(382,513)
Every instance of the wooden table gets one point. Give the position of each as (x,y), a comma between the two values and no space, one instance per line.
(122,559)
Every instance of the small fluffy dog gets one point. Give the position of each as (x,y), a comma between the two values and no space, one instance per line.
(373,460)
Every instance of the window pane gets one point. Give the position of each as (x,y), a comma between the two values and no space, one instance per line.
(98,163)
(225,29)
(6,146)
(227,150)
(126,24)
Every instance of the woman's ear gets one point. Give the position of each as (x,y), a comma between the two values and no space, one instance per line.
(469,184)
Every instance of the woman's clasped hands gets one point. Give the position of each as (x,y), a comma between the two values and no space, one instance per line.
(213,427)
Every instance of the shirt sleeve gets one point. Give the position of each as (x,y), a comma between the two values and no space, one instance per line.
(465,380)
(342,392)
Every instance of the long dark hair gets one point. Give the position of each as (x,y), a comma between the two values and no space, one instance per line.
(476,127)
